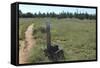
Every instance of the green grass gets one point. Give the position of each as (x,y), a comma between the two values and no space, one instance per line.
(76,37)
(23,24)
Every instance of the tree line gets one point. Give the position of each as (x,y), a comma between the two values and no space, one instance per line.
(55,15)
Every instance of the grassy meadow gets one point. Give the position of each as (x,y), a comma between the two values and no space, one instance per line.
(76,37)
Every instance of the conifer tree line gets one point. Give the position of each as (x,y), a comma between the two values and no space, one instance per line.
(55,15)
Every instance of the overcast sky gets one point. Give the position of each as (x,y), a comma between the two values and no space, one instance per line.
(44,9)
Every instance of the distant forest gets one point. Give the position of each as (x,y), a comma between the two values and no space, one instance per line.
(60,15)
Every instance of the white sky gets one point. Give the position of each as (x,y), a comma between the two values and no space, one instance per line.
(44,9)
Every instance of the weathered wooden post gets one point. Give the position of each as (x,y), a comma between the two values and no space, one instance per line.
(48,35)
(53,52)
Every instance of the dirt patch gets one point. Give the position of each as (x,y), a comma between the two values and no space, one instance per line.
(26,45)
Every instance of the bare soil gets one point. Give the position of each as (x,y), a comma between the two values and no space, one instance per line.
(26,45)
